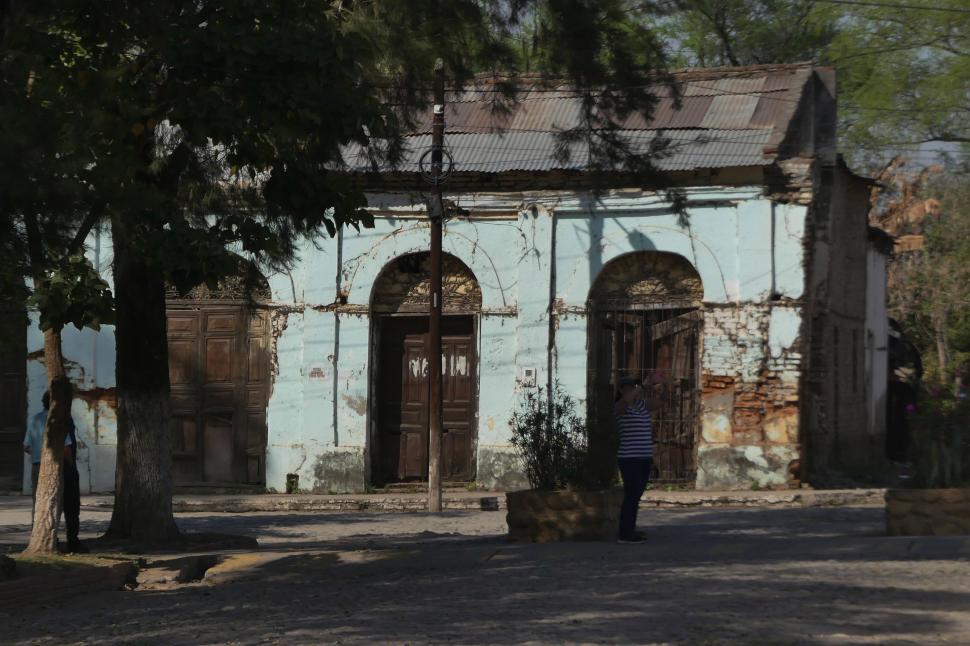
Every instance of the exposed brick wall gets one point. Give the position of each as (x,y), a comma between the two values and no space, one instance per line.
(750,402)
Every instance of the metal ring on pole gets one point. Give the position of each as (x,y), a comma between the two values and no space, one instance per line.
(447,165)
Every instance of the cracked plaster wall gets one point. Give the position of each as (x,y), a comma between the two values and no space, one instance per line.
(318,412)
(751,361)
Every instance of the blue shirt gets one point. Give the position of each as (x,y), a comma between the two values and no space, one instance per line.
(635,427)
(35,435)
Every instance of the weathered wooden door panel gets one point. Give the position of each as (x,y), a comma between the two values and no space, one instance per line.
(219,373)
(458,392)
(403,397)
(219,449)
(13,396)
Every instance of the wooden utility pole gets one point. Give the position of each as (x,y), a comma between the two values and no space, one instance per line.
(434,325)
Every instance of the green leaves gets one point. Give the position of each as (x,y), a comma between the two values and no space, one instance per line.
(73,292)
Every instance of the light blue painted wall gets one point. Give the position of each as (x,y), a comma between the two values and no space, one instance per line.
(90,363)
(318,410)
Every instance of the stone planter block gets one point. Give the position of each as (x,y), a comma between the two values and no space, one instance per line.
(545,516)
(927,512)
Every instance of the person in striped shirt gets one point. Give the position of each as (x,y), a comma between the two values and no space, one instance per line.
(635,455)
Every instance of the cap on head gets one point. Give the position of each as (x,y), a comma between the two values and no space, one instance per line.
(627,381)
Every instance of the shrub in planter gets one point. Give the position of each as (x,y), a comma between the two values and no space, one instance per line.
(941,442)
(938,501)
(565,503)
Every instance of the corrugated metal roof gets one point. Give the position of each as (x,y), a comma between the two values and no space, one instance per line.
(537,151)
(730,111)
(726,118)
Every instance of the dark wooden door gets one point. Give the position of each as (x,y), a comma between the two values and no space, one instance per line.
(403,398)
(219,373)
(13,396)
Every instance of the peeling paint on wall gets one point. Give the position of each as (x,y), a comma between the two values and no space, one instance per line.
(534,270)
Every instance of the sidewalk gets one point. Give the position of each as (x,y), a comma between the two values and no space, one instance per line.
(486,501)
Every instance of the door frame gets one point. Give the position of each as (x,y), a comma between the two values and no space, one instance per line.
(373,444)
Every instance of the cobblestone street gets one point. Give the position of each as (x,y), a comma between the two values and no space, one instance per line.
(708,576)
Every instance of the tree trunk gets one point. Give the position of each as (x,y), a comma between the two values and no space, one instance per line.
(47,509)
(942,348)
(143,473)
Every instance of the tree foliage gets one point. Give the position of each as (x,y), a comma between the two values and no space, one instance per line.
(711,33)
(200,128)
(931,288)
(903,73)
(550,437)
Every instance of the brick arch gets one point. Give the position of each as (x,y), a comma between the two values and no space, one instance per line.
(404,284)
(647,279)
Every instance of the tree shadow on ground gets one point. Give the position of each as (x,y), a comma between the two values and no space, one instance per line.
(705,577)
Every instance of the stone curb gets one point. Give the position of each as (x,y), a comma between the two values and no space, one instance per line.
(496,501)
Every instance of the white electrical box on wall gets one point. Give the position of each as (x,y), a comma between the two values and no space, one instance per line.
(527,377)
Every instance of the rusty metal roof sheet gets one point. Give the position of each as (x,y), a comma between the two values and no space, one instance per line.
(537,151)
(725,118)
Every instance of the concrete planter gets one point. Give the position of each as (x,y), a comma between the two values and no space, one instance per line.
(927,512)
(545,516)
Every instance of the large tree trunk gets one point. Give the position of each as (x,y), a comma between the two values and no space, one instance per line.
(942,347)
(143,474)
(47,508)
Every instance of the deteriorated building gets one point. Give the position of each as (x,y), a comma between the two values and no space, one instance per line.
(761,305)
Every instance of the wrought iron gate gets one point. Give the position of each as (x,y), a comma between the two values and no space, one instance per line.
(658,346)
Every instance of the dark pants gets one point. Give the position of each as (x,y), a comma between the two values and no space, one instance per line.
(636,475)
(72,501)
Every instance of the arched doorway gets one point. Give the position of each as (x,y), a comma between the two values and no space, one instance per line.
(399,397)
(645,321)
(219,370)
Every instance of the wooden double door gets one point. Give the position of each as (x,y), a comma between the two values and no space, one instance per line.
(219,374)
(403,389)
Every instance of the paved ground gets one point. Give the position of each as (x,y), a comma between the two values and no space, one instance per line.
(707,576)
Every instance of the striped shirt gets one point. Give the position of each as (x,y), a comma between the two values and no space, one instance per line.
(636,432)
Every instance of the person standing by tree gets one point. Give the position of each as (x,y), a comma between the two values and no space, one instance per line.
(71,496)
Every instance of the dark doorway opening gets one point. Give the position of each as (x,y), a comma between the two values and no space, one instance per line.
(646,322)
(402,399)
(649,344)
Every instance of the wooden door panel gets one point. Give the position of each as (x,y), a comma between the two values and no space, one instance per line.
(218,359)
(183,324)
(414,456)
(182,361)
(258,360)
(219,449)
(13,395)
(457,455)
(459,377)
(222,321)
